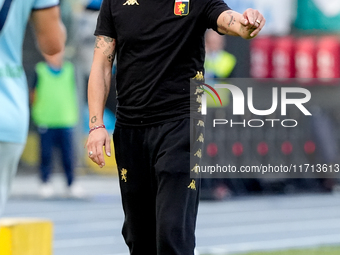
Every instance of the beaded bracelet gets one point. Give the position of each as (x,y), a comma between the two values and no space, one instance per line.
(96,127)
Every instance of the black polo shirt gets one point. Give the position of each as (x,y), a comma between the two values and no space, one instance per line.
(160,46)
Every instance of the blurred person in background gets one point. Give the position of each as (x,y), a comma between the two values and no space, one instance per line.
(55,112)
(160,48)
(218,63)
(86,25)
(14,113)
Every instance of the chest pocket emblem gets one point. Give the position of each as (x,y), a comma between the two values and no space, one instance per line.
(181,7)
(131,2)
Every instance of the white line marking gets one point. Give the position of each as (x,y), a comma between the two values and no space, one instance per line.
(272,244)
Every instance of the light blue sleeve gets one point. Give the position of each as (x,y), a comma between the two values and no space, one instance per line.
(43,4)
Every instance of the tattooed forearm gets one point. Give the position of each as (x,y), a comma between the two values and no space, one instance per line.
(223,27)
(227,22)
(232,19)
(94,119)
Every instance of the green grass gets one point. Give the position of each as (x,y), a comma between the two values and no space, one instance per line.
(315,251)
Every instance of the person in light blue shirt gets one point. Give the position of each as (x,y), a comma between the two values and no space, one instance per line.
(14,107)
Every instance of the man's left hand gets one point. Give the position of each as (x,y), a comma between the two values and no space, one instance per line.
(253,20)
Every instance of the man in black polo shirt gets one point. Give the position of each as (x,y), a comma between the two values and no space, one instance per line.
(159,47)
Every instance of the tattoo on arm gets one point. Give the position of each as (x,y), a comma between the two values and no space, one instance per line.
(108,39)
(228,20)
(232,19)
(110,57)
(94,119)
(108,44)
(96,45)
(109,53)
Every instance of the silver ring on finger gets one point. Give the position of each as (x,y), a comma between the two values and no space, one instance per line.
(90,153)
(258,21)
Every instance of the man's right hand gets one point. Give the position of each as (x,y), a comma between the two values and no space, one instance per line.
(98,139)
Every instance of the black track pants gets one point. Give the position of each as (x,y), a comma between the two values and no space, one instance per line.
(160,199)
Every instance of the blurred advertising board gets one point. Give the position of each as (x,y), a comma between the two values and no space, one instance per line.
(310,59)
(318,15)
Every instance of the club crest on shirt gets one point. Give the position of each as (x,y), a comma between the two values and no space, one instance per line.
(181,7)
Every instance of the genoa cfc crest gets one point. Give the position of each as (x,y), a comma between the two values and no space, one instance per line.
(181,7)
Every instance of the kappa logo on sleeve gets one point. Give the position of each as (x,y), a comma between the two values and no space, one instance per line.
(181,7)
(199,76)
(131,2)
